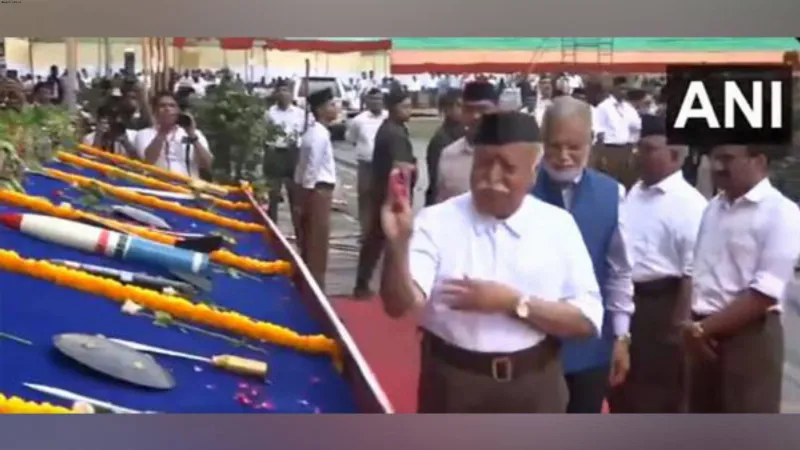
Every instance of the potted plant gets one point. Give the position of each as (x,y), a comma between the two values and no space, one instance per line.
(235,124)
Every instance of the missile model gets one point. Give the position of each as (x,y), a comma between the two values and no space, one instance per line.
(106,242)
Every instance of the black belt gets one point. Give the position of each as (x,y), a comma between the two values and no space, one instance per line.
(498,366)
(657,286)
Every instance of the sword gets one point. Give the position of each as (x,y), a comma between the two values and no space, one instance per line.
(67,395)
(231,363)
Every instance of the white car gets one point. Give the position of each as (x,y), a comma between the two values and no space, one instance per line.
(318,83)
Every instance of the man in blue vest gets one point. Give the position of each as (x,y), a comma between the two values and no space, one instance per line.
(593,199)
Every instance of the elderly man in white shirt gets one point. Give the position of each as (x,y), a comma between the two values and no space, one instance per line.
(361,133)
(594,201)
(746,251)
(315,178)
(493,294)
(280,158)
(174,143)
(662,242)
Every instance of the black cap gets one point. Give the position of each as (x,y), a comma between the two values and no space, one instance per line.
(319,98)
(281,82)
(507,127)
(480,91)
(394,97)
(653,126)
(373,92)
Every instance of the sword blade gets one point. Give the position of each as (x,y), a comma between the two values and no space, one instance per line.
(159,351)
(67,395)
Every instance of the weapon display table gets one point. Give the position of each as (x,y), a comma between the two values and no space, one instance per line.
(34,310)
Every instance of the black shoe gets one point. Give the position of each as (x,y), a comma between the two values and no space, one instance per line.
(363,293)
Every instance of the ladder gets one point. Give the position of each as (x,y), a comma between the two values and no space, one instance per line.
(603,48)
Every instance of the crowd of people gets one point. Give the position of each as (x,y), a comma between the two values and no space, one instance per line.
(543,279)
(564,256)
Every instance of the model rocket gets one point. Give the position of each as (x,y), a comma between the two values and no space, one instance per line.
(106,242)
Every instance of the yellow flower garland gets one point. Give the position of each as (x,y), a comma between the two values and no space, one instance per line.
(149,168)
(157,203)
(111,171)
(16,405)
(177,307)
(43,206)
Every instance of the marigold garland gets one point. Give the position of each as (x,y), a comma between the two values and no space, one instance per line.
(177,307)
(149,168)
(111,171)
(223,256)
(157,203)
(16,405)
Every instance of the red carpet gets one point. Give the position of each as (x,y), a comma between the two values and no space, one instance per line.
(391,348)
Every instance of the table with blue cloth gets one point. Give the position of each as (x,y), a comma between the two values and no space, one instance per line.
(33,311)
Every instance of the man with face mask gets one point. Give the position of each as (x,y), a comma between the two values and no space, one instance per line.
(478,98)
(494,297)
(594,200)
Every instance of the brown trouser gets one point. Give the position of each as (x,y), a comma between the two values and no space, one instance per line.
(618,161)
(315,229)
(748,374)
(365,200)
(447,388)
(656,381)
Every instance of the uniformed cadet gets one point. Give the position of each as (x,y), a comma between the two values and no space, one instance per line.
(662,216)
(593,199)
(479,98)
(281,156)
(393,148)
(746,250)
(315,177)
(493,295)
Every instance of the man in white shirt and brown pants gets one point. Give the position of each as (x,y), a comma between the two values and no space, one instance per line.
(746,251)
(361,133)
(618,126)
(315,178)
(494,298)
(281,155)
(662,213)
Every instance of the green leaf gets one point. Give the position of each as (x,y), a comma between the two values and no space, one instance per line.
(163,319)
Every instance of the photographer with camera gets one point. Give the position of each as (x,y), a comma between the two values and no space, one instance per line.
(110,134)
(174,143)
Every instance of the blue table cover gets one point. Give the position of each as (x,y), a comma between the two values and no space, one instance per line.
(36,310)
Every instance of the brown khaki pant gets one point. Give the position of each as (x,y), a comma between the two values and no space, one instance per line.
(617,162)
(445,389)
(748,375)
(315,229)
(656,381)
(365,199)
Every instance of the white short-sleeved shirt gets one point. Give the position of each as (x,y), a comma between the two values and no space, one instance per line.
(173,157)
(752,243)
(361,133)
(538,251)
(292,121)
(661,240)
(619,122)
